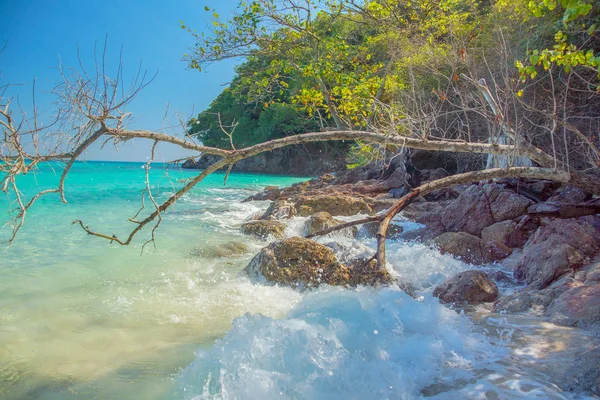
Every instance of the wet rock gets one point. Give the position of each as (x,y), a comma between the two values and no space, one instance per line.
(561,246)
(469,286)
(500,277)
(333,204)
(323,220)
(593,273)
(222,250)
(504,233)
(380,204)
(584,373)
(280,209)
(298,262)
(363,271)
(370,229)
(264,229)
(469,248)
(525,300)
(578,306)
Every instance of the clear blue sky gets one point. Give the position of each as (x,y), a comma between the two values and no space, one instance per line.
(42,33)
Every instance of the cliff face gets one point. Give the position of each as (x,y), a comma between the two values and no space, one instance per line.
(297,160)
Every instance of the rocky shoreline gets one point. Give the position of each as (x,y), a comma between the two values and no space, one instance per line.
(544,237)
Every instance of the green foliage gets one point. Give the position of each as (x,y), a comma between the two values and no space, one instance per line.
(360,154)
(575,23)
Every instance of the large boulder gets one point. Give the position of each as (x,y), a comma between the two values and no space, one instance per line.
(333,204)
(469,286)
(561,246)
(470,212)
(298,262)
(323,220)
(264,229)
(481,206)
(469,248)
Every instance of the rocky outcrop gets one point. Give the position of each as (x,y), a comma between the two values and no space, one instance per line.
(332,204)
(557,248)
(469,248)
(467,287)
(323,220)
(304,263)
(264,229)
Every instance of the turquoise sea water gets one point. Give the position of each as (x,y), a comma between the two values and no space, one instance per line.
(81,318)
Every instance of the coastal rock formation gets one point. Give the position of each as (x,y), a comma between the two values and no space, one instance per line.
(469,248)
(264,229)
(469,286)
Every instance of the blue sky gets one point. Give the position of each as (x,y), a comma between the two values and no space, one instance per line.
(40,34)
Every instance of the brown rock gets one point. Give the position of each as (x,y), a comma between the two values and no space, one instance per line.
(280,209)
(469,286)
(298,262)
(323,220)
(469,248)
(561,246)
(470,212)
(370,229)
(505,204)
(263,229)
(578,306)
(504,233)
(333,204)
(583,375)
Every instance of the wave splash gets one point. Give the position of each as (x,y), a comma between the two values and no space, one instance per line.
(340,344)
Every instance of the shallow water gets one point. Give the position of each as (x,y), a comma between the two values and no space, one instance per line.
(82,318)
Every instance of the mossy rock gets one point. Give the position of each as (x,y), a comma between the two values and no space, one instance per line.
(298,262)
